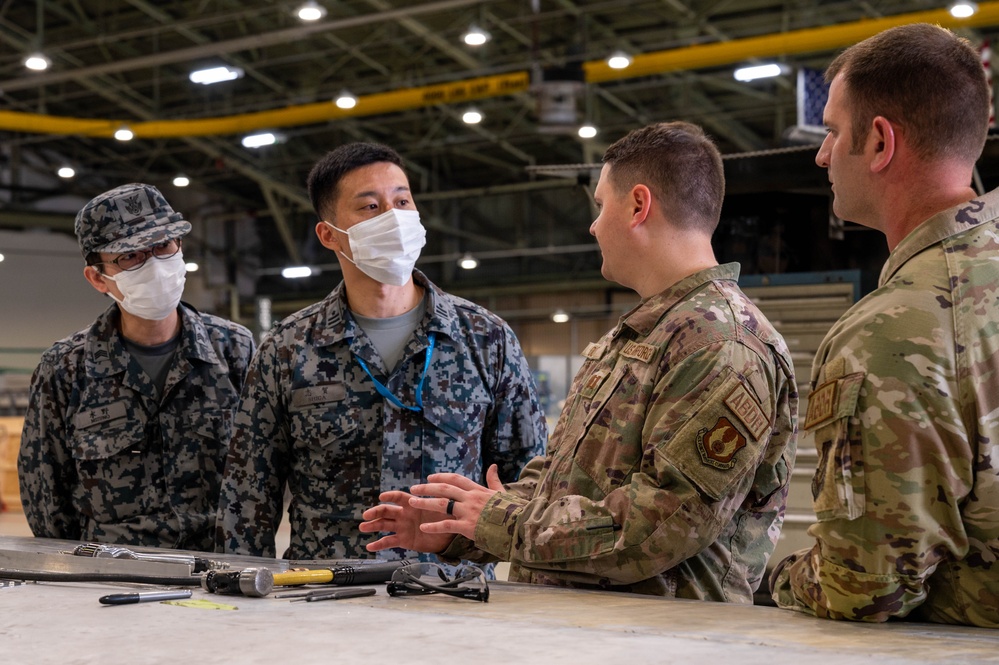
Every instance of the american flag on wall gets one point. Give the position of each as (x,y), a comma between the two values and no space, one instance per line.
(812,95)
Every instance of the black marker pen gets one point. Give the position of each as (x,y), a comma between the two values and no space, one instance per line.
(144,597)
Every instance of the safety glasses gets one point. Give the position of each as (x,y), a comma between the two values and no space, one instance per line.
(425,578)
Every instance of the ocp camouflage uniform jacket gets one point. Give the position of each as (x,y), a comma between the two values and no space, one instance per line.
(667,472)
(310,416)
(103,458)
(905,414)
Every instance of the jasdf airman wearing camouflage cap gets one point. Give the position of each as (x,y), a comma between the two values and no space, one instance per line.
(667,471)
(128,422)
(905,387)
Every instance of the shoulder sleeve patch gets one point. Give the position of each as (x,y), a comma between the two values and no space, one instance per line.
(749,412)
(638,351)
(719,444)
(821,404)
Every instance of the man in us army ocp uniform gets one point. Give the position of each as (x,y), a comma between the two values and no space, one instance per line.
(905,387)
(128,421)
(384,382)
(667,472)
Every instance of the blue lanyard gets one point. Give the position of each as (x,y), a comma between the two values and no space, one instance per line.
(387,394)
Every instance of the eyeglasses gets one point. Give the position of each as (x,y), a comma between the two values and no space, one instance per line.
(135,260)
(425,578)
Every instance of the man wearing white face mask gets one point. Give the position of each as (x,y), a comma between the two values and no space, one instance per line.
(385,381)
(129,420)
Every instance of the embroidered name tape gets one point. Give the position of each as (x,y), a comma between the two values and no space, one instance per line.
(821,404)
(638,351)
(333,392)
(101,414)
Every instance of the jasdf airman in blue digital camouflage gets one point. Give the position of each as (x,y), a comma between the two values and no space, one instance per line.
(386,381)
(667,472)
(128,423)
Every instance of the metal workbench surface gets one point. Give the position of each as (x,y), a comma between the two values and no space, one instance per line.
(63,623)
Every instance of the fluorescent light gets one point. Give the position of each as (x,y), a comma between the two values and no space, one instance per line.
(345,100)
(37,62)
(475,36)
(587,131)
(560,316)
(1,258)
(124,134)
(963,9)
(310,11)
(66,172)
(619,60)
(758,72)
(468,262)
(259,140)
(471,117)
(181,180)
(296,272)
(191,266)
(216,75)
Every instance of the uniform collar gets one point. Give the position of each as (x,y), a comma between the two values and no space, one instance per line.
(106,354)
(644,318)
(335,325)
(939,227)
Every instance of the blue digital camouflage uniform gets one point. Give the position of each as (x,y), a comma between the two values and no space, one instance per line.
(311,417)
(102,459)
(667,472)
(905,414)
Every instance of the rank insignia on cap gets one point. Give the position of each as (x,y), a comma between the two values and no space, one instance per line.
(719,444)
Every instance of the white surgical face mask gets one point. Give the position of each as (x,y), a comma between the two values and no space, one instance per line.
(153,291)
(385,248)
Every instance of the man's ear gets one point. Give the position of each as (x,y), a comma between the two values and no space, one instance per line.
(327,236)
(93,275)
(641,200)
(882,139)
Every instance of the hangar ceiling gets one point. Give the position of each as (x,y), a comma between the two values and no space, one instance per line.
(483,188)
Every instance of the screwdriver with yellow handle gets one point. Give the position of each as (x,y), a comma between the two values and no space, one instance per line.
(341,575)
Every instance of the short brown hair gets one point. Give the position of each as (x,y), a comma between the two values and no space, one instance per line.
(923,78)
(681,167)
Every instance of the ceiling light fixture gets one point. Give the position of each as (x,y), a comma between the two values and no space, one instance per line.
(471,117)
(468,262)
(619,60)
(1,258)
(181,180)
(310,11)
(216,75)
(259,140)
(963,9)
(475,36)
(66,172)
(587,131)
(191,266)
(746,74)
(123,133)
(345,100)
(296,272)
(560,316)
(37,62)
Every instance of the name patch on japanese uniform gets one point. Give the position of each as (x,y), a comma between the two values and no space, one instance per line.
(101,414)
(748,411)
(643,352)
(333,392)
(821,404)
(719,444)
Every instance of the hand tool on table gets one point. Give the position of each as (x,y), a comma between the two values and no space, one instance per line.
(106,551)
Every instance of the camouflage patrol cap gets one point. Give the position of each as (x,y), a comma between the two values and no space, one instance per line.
(127,219)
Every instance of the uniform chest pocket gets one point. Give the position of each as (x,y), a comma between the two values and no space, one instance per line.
(463,421)
(212,430)
(609,447)
(327,428)
(116,468)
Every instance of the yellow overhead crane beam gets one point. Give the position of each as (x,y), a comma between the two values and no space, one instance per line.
(686,58)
